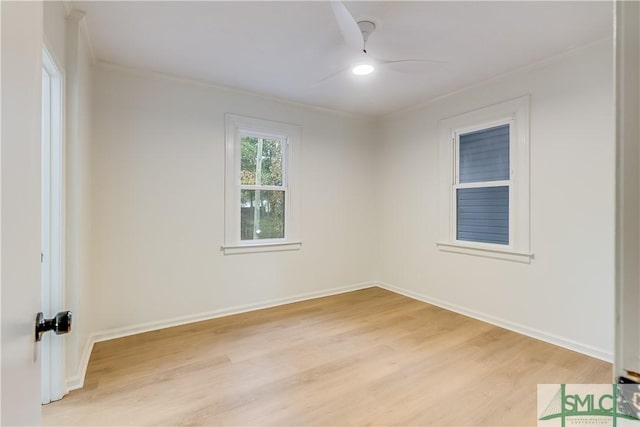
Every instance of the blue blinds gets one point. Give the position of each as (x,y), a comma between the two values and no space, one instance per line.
(483,214)
(484,155)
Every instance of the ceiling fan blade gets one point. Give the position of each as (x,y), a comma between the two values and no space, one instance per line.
(411,66)
(433,61)
(348,26)
(329,77)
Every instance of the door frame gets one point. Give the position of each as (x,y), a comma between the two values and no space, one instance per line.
(53,214)
(627,64)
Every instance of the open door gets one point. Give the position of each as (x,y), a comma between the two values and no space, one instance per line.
(20,110)
(627,350)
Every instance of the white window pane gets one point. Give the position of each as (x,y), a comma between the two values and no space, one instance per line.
(484,155)
(262,214)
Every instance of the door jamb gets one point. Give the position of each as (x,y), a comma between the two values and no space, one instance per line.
(53,366)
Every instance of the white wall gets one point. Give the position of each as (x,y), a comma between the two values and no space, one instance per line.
(158,202)
(566,294)
(53,17)
(68,45)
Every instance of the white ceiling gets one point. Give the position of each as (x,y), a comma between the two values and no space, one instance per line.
(284,49)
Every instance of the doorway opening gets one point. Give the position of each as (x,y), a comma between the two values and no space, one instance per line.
(51,257)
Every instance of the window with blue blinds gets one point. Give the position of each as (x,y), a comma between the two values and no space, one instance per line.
(484,155)
(483,214)
(482,211)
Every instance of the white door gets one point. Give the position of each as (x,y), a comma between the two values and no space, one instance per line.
(20,86)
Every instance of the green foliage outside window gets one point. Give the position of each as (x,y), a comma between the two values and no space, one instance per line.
(262,211)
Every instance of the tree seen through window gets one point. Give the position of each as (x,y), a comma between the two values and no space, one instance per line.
(262,189)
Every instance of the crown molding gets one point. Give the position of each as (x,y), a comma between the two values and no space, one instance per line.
(68,7)
(80,16)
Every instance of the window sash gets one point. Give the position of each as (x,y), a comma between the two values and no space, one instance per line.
(262,187)
(456,133)
(482,184)
(285,196)
(285,155)
(480,149)
(456,184)
(283,188)
(509,222)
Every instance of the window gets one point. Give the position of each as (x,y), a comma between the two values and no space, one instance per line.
(261,202)
(483,184)
(485,181)
(262,187)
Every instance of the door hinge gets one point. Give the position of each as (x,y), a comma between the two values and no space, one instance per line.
(41,257)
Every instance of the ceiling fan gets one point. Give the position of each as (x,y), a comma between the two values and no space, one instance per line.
(356,34)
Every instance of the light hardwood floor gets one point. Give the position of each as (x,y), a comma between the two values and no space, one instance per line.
(369,357)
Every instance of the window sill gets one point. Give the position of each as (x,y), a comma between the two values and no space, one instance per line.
(261,247)
(505,254)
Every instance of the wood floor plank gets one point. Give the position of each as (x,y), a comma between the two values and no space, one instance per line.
(369,357)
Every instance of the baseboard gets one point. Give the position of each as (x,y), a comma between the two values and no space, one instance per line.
(77,381)
(512,326)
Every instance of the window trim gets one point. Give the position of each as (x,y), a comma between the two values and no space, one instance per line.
(515,112)
(235,126)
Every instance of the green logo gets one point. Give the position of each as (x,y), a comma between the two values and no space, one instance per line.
(591,404)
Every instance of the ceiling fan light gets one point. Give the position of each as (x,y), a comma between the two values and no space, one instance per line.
(362,69)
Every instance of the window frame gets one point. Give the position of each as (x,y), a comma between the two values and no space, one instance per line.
(236,127)
(514,112)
